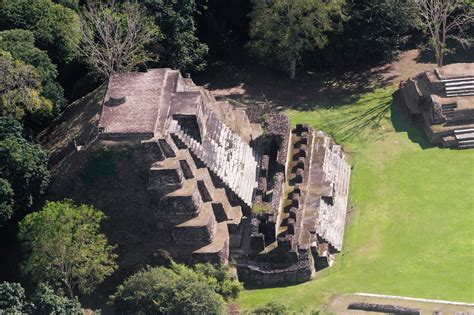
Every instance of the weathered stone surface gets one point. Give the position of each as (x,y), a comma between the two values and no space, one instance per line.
(443,99)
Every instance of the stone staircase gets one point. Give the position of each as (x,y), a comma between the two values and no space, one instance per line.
(199,213)
(448,110)
(464,138)
(459,86)
(332,215)
(224,152)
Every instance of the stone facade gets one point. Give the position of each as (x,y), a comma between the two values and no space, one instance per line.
(443,101)
(224,186)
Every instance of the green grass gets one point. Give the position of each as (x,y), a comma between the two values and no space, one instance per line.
(411,227)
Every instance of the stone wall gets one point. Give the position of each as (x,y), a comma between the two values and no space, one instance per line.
(261,274)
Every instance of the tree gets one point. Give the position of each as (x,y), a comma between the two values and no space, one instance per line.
(55,27)
(180,48)
(12,298)
(219,278)
(64,247)
(46,301)
(282,30)
(20,89)
(43,301)
(21,45)
(444,20)
(25,167)
(114,37)
(375,30)
(6,201)
(161,290)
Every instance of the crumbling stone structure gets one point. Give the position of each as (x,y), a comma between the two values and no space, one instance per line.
(443,101)
(222,186)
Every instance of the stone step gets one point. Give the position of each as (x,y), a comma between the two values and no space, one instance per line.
(462,78)
(460,82)
(466,146)
(463,142)
(460,94)
(217,250)
(219,158)
(466,130)
(464,136)
(462,88)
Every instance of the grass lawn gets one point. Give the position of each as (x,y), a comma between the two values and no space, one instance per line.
(411,226)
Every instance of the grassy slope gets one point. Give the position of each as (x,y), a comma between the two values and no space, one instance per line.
(410,231)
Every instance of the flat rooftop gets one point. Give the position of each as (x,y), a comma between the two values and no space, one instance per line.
(456,70)
(132,102)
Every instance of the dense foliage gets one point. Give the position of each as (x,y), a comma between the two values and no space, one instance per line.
(282,31)
(63,247)
(46,301)
(375,30)
(20,90)
(6,201)
(21,45)
(56,28)
(22,164)
(180,48)
(176,290)
(12,298)
(219,278)
(43,301)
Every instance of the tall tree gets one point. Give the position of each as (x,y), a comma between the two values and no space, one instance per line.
(20,89)
(375,30)
(21,45)
(444,20)
(180,48)
(114,37)
(64,247)
(56,28)
(282,30)
(23,165)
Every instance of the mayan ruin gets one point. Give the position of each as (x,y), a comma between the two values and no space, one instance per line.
(223,186)
(443,101)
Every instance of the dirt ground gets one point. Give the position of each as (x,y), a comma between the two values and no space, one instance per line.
(250,84)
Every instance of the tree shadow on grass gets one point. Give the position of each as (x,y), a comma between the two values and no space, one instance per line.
(401,123)
(359,124)
(251,84)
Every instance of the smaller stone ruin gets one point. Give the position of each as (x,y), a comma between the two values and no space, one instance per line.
(443,101)
(299,207)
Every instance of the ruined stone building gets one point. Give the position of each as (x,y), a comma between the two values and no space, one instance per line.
(225,186)
(443,100)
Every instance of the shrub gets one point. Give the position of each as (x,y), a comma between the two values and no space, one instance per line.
(12,298)
(160,290)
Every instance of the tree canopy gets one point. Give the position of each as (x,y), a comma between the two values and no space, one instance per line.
(161,290)
(114,37)
(44,300)
(21,89)
(64,247)
(23,165)
(282,30)
(21,45)
(180,48)
(56,28)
